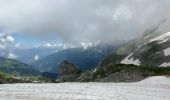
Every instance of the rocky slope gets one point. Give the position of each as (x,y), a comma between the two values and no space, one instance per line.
(110,73)
(153,49)
(67,72)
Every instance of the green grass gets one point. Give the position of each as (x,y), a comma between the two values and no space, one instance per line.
(131,69)
(9,63)
(5,75)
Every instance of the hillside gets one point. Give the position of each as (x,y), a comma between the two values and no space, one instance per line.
(16,67)
(122,73)
(154,51)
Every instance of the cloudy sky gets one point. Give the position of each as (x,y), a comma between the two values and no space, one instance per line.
(41,21)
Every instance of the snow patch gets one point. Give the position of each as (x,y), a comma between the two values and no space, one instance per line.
(148,36)
(163,41)
(165,64)
(167,51)
(161,37)
(94,70)
(130,61)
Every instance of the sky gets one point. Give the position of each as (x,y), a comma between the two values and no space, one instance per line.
(36,22)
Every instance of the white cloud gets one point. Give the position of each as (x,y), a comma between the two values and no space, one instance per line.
(6,45)
(50,45)
(6,41)
(18,45)
(123,13)
(12,56)
(10,39)
(71,20)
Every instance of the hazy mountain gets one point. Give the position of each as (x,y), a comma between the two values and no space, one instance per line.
(83,58)
(32,54)
(153,51)
(16,67)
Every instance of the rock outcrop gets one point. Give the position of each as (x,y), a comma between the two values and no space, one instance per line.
(67,72)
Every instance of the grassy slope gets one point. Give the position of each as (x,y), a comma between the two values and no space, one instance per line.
(124,73)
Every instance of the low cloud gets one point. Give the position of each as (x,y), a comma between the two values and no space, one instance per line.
(6,45)
(76,20)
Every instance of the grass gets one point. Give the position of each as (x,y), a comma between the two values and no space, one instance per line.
(5,75)
(131,69)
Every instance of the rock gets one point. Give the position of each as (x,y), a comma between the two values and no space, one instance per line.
(67,72)
(86,76)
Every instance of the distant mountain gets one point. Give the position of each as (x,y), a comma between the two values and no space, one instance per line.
(27,55)
(16,67)
(32,54)
(83,58)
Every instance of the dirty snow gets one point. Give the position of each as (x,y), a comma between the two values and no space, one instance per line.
(130,61)
(154,88)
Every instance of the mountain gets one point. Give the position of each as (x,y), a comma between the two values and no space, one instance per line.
(84,58)
(67,71)
(110,73)
(16,68)
(122,73)
(30,55)
(153,51)
(111,59)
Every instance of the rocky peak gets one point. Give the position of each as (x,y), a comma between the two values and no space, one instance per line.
(67,68)
(67,71)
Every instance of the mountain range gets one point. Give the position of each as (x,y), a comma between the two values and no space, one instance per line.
(84,58)
(151,49)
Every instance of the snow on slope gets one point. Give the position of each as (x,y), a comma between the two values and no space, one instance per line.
(154,88)
(152,46)
(167,51)
(161,37)
(165,64)
(130,61)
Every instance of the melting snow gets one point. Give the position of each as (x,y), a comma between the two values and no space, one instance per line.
(154,88)
(130,61)
(165,64)
(163,41)
(167,51)
(161,37)
(94,70)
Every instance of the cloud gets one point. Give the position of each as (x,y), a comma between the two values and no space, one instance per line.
(18,45)
(6,40)
(76,20)
(11,56)
(10,39)
(50,45)
(6,45)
